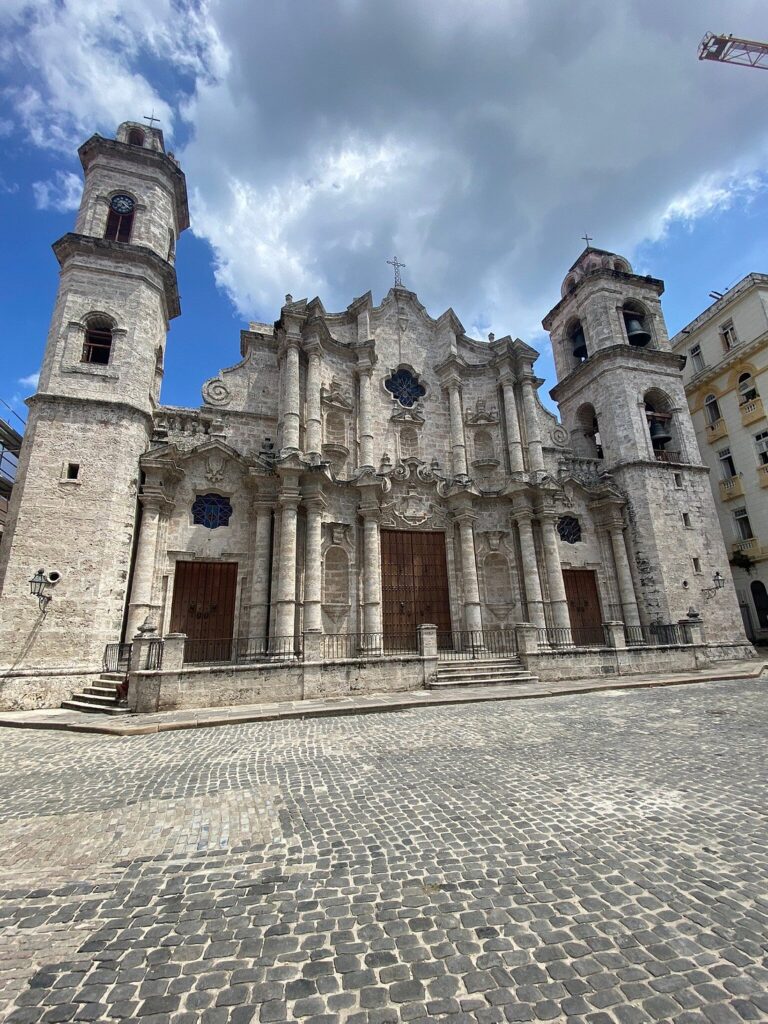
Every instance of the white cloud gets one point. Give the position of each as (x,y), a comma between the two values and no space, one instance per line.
(61,194)
(478,141)
(31,381)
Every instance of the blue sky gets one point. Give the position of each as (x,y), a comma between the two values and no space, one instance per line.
(477,140)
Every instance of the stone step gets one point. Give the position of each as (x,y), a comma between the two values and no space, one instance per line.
(112,677)
(77,704)
(109,699)
(509,680)
(478,668)
(108,690)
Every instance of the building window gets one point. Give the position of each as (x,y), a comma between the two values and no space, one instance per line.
(135,137)
(728,335)
(211,511)
(697,566)
(678,480)
(405,387)
(761,443)
(335,429)
(97,347)
(73,470)
(760,599)
(120,218)
(727,465)
(697,359)
(747,388)
(569,529)
(687,520)
(743,525)
(712,409)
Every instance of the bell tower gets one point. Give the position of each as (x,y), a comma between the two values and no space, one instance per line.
(621,398)
(74,506)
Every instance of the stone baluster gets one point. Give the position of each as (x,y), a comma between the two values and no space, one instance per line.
(531,579)
(535,453)
(514,443)
(458,444)
(624,575)
(557,599)
(313,613)
(314,434)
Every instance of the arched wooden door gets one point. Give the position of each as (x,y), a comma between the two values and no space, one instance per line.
(414,584)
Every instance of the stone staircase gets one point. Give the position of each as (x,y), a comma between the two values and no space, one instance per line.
(481,672)
(100,698)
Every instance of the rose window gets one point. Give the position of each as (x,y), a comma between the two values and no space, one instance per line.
(405,387)
(211,511)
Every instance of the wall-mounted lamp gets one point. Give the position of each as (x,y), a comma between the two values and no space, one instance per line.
(39,585)
(718,581)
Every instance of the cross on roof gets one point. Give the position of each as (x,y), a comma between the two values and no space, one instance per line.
(395,262)
(587,239)
(150,119)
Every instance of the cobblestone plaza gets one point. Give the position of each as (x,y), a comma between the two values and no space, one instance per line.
(593,858)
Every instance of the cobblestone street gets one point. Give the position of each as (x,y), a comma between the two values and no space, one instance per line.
(595,858)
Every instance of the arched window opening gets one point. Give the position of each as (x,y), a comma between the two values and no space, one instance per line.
(760,598)
(587,441)
(158,359)
(484,450)
(711,409)
(171,247)
(577,341)
(336,577)
(661,426)
(135,137)
(120,218)
(409,443)
(335,429)
(97,347)
(636,325)
(747,389)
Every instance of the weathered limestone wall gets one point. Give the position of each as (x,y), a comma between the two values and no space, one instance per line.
(29,690)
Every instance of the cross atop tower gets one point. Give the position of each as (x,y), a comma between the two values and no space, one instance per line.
(395,262)
(587,238)
(150,119)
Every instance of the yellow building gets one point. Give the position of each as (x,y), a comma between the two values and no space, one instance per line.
(726,384)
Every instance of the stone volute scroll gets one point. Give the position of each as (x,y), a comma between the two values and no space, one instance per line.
(216,392)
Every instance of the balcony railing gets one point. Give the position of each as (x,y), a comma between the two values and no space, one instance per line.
(716,430)
(655,635)
(664,455)
(749,546)
(341,646)
(752,411)
(573,636)
(733,487)
(243,650)
(762,475)
(476,644)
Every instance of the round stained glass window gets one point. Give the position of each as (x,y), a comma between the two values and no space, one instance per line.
(211,511)
(405,387)
(569,529)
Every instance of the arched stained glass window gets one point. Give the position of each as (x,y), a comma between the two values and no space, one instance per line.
(211,511)
(405,387)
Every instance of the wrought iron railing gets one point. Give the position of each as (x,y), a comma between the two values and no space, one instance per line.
(155,654)
(572,636)
(242,650)
(665,455)
(476,644)
(341,646)
(656,634)
(116,658)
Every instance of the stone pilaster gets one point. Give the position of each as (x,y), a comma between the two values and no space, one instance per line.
(458,444)
(472,617)
(372,619)
(535,454)
(531,580)
(155,510)
(557,598)
(313,615)
(314,432)
(365,418)
(289,389)
(258,615)
(514,443)
(285,604)
(624,575)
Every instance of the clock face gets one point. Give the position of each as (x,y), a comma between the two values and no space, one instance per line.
(122,204)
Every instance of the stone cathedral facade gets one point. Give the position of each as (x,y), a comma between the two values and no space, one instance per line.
(356,472)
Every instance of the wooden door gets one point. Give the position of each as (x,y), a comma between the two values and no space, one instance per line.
(582,596)
(204,608)
(414,583)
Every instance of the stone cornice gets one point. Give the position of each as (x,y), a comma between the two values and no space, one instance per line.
(653,283)
(730,359)
(50,398)
(628,355)
(71,244)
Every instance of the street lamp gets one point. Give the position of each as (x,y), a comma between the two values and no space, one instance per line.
(39,585)
(718,581)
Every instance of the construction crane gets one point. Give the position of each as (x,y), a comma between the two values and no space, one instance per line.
(730,50)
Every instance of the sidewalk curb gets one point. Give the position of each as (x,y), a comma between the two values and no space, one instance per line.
(372,706)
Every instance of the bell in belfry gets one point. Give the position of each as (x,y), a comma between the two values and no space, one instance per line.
(636,331)
(579,342)
(660,434)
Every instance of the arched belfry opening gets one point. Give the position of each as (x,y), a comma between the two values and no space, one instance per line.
(586,438)
(577,342)
(636,324)
(662,430)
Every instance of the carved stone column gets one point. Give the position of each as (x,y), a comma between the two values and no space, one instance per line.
(314,435)
(531,580)
(155,510)
(285,610)
(472,617)
(458,444)
(557,599)
(372,620)
(313,614)
(624,575)
(289,386)
(365,419)
(258,615)
(535,454)
(514,443)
